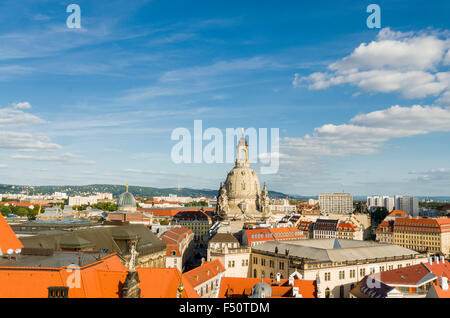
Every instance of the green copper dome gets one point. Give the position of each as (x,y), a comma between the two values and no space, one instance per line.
(126,202)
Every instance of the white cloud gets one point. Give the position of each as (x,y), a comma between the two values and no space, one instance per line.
(395,62)
(439,175)
(22,105)
(26,142)
(367,133)
(66,158)
(14,115)
(2,166)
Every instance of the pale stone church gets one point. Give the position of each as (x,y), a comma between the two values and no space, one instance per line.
(240,197)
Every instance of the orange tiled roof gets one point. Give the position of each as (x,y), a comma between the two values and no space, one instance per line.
(203,273)
(398,213)
(8,239)
(412,275)
(238,287)
(386,224)
(345,226)
(101,279)
(440,292)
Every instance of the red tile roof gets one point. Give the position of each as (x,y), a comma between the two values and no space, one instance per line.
(8,239)
(412,275)
(345,226)
(204,273)
(237,287)
(398,213)
(101,279)
(440,292)
(423,224)
(173,239)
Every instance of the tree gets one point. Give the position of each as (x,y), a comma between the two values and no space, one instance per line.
(379,214)
(22,211)
(5,210)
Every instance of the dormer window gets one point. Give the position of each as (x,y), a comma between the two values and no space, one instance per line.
(58,292)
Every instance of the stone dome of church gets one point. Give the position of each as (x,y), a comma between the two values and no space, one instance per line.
(126,202)
(242,181)
(240,196)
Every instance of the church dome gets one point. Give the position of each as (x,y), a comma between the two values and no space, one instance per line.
(242,182)
(261,290)
(126,202)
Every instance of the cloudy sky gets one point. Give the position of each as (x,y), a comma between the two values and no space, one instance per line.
(360,110)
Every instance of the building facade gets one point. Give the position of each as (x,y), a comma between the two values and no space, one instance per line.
(423,234)
(337,265)
(337,203)
(234,257)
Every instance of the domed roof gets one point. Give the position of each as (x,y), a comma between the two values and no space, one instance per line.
(126,202)
(261,290)
(242,181)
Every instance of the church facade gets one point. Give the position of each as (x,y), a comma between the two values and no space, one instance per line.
(240,196)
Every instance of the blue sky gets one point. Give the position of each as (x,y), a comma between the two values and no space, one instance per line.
(360,110)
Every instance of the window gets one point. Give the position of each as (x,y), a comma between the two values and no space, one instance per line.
(272,264)
(281,265)
(352,273)
(327,293)
(341,274)
(263,262)
(58,292)
(327,276)
(362,272)
(255,260)
(341,291)
(255,274)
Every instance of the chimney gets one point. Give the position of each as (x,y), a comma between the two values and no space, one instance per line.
(437,259)
(442,259)
(291,281)
(443,282)
(295,293)
(430,260)
(278,278)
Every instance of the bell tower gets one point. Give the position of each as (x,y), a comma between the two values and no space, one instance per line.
(242,155)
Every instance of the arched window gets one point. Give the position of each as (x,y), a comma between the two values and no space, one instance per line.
(327,293)
(341,291)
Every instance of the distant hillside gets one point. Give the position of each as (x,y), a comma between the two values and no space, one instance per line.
(116,190)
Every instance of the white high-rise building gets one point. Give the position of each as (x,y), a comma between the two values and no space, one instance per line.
(381,201)
(337,203)
(409,205)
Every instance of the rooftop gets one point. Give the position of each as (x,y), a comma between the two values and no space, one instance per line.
(324,249)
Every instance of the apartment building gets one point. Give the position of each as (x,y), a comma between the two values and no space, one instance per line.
(423,234)
(337,265)
(180,247)
(339,203)
(234,257)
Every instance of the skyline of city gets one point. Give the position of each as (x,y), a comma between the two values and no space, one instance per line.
(365,111)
